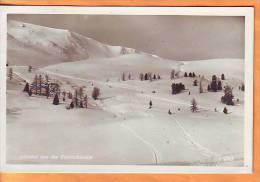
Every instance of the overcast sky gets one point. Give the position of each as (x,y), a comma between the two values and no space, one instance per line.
(173,37)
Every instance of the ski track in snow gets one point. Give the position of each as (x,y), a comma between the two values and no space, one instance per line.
(203,150)
(154,150)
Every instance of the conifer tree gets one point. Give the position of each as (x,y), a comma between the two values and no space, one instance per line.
(172,74)
(40,84)
(145,76)
(129,76)
(30,92)
(154,77)
(219,85)
(185,74)
(56,100)
(27,87)
(243,87)
(48,91)
(194,107)
(150,104)
(29,68)
(195,83)
(201,86)
(123,76)
(222,76)
(225,110)
(95,93)
(36,84)
(10,74)
(86,101)
(214,85)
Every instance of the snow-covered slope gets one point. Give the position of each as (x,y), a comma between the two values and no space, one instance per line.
(36,45)
(112,68)
(233,68)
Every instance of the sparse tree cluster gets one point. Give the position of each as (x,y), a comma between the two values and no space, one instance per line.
(191,74)
(177,87)
(149,76)
(215,84)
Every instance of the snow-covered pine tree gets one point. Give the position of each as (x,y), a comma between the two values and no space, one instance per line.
(194,107)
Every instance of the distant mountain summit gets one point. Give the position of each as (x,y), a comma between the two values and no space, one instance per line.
(29,44)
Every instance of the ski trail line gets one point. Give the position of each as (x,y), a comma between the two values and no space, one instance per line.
(154,150)
(205,151)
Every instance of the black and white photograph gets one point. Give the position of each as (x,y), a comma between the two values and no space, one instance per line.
(128,89)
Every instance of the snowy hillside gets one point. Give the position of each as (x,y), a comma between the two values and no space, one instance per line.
(36,45)
(121,121)
(112,68)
